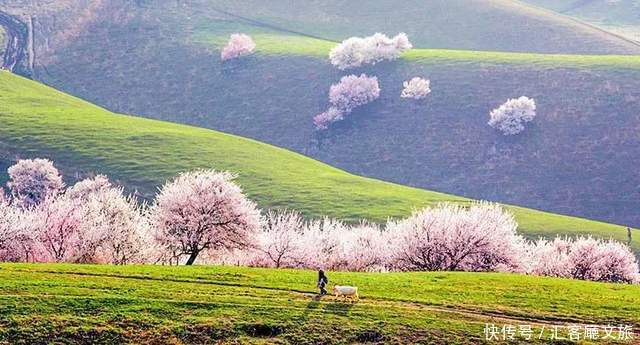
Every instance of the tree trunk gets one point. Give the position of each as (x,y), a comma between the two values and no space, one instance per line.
(192,258)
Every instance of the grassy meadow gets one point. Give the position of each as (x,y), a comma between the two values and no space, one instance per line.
(88,304)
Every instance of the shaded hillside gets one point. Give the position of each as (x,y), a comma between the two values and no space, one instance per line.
(576,158)
(502,25)
(141,154)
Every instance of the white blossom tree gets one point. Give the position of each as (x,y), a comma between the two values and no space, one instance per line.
(114,229)
(584,258)
(279,240)
(10,232)
(203,210)
(358,51)
(31,181)
(416,88)
(239,45)
(510,117)
(450,237)
(351,92)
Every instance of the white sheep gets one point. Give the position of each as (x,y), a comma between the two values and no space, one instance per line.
(346,292)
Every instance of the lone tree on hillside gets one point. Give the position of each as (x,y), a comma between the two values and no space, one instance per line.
(357,51)
(203,210)
(510,117)
(351,92)
(238,45)
(416,88)
(31,181)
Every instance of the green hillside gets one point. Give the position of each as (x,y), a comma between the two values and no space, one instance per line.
(38,121)
(87,304)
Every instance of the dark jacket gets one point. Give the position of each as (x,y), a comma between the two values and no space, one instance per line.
(322,279)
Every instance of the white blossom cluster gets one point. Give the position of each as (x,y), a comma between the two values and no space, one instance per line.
(416,88)
(510,117)
(359,51)
(239,45)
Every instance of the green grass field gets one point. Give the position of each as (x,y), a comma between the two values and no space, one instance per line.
(86,304)
(141,154)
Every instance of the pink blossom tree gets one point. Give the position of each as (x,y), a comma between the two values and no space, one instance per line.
(33,180)
(363,248)
(550,258)
(351,92)
(510,117)
(358,51)
(416,88)
(598,260)
(203,210)
(238,45)
(323,120)
(450,237)
(57,223)
(584,258)
(9,232)
(279,240)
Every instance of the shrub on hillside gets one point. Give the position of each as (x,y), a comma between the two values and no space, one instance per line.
(31,181)
(358,51)
(203,210)
(416,88)
(351,92)
(239,45)
(510,117)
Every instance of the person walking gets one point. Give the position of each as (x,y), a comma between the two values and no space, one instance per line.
(322,282)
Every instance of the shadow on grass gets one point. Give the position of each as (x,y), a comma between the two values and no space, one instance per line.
(339,308)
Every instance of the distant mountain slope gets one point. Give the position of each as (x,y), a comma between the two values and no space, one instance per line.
(502,25)
(38,121)
(619,16)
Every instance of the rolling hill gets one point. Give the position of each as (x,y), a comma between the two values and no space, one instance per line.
(88,304)
(161,61)
(575,159)
(141,154)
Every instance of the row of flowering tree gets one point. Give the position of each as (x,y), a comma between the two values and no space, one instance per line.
(203,215)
